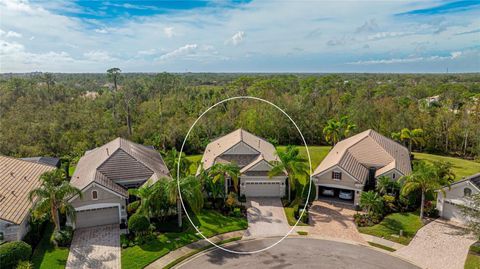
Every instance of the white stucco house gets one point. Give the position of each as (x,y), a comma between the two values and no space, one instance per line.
(254,156)
(17,179)
(457,194)
(104,176)
(355,162)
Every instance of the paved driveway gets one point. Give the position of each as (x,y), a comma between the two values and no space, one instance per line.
(334,221)
(96,247)
(439,245)
(298,253)
(266,217)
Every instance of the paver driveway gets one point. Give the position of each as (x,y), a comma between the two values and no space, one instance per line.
(334,221)
(96,247)
(266,218)
(439,245)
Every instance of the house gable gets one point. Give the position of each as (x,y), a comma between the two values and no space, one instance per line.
(121,167)
(241,148)
(325,178)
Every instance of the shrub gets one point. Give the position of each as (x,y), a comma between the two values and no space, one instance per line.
(63,238)
(35,232)
(242,199)
(389,202)
(24,265)
(11,253)
(132,207)
(139,224)
(302,233)
(430,210)
(365,220)
(237,212)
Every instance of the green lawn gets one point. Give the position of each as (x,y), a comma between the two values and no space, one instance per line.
(392,224)
(317,153)
(209,222)
(381,246)
(47,256)
(462,168)
(473,258)
(290,214)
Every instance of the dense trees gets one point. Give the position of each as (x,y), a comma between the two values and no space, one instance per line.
(65,114)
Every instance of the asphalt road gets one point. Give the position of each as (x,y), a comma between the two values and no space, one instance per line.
(298,253)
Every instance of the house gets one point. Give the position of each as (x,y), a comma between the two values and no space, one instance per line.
(457,194)
(254,156)
(104,176)
(17,179)
(355,163)
(52,161)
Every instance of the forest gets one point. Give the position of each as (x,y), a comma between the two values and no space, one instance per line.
(63,115)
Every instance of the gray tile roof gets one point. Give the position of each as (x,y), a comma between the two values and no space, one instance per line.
(52,161)
(119,159)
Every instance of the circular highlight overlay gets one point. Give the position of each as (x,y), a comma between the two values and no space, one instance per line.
(180,157)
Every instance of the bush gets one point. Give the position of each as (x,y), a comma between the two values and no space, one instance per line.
(25,265)
(63,238)
(139,224)
(35,232)
(236,212)
(11,253)
(366,220)
(430,210)
(242,199)
(132,207)
(389,202)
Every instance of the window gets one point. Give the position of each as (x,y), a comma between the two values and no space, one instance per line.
(467,192)
(94,195)
(393,175)
(337,175)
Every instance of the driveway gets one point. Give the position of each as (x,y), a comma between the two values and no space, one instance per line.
(96,247)
(298,253)
(266,217)
(438,245)
(334,221)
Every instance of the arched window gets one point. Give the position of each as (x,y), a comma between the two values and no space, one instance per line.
(467,192)
(94,195)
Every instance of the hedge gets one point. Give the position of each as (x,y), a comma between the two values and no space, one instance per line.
(13,252)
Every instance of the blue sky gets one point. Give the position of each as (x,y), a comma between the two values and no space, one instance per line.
(240,36)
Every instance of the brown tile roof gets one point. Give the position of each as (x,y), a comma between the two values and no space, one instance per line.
(367,149)
(119,159)
(17,179)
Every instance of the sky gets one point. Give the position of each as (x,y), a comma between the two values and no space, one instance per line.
(240,36)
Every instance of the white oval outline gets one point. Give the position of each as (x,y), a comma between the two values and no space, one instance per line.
(178,174)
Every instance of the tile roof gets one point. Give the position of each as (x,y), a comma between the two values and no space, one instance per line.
(119,159)
(17,179)
(367,149)
(52,161)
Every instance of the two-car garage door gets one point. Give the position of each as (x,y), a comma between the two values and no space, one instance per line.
(95,217)
(262,189)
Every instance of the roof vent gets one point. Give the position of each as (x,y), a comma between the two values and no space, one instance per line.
(108,154)
(13,193)
(12,174)
(25,178)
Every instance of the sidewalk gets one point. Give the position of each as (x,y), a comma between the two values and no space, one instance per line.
(180,252)
(381,241)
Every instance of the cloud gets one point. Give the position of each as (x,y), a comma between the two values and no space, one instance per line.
(168,31)
(368,27)
(185,50)
(147,52)
(237,38)
(383,35)
(453,55)
(101,31)
(98,56)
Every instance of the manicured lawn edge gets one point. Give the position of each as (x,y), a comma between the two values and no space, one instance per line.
(46,255)
(192,253)
(473,257)
(289,213)
(381,246)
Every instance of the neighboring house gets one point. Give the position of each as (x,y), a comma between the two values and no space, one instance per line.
(356,162)
(52,161)
(448,205)
(254,156)
(17,179)
(104,176)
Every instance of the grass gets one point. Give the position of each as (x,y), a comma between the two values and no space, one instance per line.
(181,259)
(47,256)
(391,225)
(462,168)
(302,233)
(317,153)
(473,258)
(381,246)
(209,222)
(290,214)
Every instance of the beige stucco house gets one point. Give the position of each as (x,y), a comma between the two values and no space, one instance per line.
(358,161)
(17,179)
(104,176)
(456,195)
(255,157)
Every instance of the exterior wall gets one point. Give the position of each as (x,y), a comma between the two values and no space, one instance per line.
(105,198)
(347,182)
(12,232)
(449,210)
(281,179)
(240,148)
(390,174)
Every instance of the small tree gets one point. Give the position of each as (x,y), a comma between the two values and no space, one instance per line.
(371,202)
(139,224)
(472,213)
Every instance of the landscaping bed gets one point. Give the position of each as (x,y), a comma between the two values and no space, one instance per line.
(389,228)
(209,222)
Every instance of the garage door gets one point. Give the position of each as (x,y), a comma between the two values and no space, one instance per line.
(95,217)
(452,212)
(262,189)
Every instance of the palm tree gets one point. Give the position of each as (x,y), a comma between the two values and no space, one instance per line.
(147,194)
(386,185)
(219,172)
(52,197)
(332,131)
(171,160)
(346,126)
(295,166)
(191,192)
(425,177)
(414,136)
(370,201)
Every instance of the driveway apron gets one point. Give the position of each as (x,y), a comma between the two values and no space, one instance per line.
(266,218)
